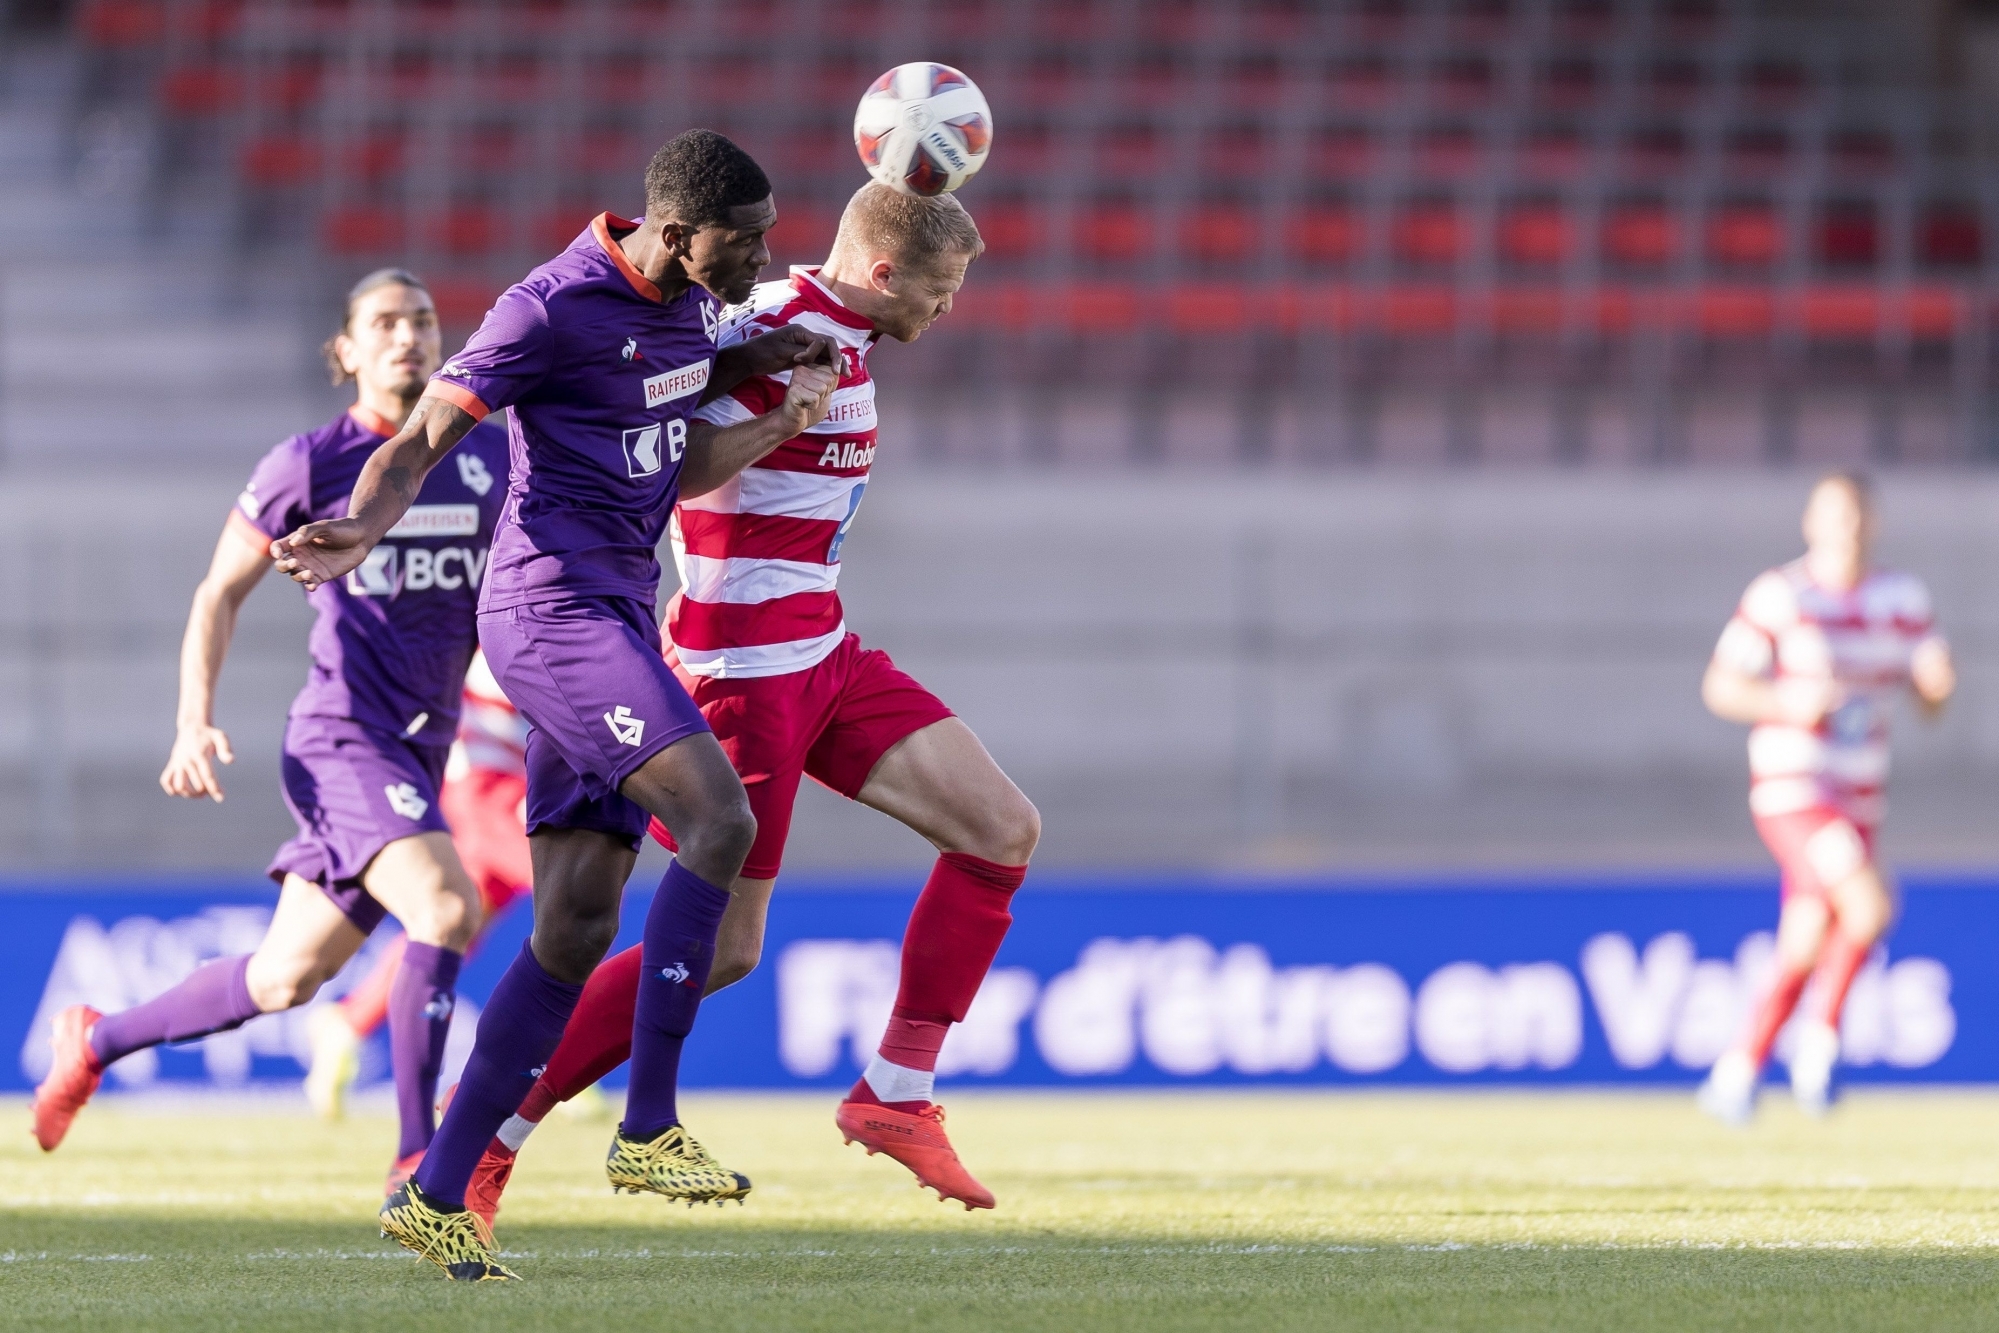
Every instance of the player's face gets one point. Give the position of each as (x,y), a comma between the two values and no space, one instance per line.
(392,343)
(1839,522)
(727,259)
(919,297)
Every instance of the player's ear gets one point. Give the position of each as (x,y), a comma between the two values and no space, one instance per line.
(677,237)
(343,354)
(881,275)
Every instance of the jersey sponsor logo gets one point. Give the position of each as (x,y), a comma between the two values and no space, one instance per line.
(626,729)
(441,520)
(643,445)
(846,454)
(711,321)
(840,533)
(472,471)
(390,570)
(672,384)
(854,410)
(406,800)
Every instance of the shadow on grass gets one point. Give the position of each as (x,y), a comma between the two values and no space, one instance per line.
(78,1271)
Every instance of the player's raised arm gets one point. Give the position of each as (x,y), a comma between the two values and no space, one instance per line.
(717,453)
(321,552)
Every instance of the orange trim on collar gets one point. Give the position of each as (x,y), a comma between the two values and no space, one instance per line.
(600,227)
(463,399)
(369,419)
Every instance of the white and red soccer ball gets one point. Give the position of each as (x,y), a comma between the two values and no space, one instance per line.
(923,128)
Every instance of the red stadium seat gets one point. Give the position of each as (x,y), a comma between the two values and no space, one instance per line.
(468,230)
(1210,309)
(462,302)
(1156,79)
(616,79)
(1861,153)
(1641,236)
(1324,234)
(1776,82)
(277,160)
(374,157)
(1462,82)
(608,150)
(1949,236)
(121,23)
(1849,235)
(292,87)
(1429,235)
(1656,150)
(1235,153)
(488,149)
(1567,83)
(1447,152)
(1014,230)
(1340,153)
(1553,152)
(1745,236)
(1255,81)
(363,230)
(1221,234)
(1099,308)
(738,79)
(1758,150)
(552,231)
(1362,83)
(1129,152)
(1114,232)
(200,90)
(1675,81)
(803,235)
(1535,235)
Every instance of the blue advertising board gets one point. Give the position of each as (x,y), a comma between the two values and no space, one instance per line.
(1145,982)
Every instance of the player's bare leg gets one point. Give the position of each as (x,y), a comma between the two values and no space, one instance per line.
(579,879)
(1862,908)
(1729,1094)
(940,782)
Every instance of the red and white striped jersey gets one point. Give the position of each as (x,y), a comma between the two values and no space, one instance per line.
(491,735)
(759,558)
(1789,628)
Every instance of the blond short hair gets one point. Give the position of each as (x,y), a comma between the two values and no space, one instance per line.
(916,230)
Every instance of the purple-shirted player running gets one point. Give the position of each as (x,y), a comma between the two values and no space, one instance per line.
(603,353)
(365,742)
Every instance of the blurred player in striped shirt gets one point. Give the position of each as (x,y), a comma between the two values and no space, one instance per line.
(758,637)
(483,799)
(1813,660)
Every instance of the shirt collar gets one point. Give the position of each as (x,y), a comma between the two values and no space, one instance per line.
(600,227)
(806,282)
(369,419)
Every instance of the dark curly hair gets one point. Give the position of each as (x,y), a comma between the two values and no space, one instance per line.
(381,277)
(697,177)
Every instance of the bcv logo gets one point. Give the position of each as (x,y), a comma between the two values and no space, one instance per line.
(643,447)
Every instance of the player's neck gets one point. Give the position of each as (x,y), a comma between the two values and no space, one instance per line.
(391,407)
(648,255)
(1836,571)
(861,300)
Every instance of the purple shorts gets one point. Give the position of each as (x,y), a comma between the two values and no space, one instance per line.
(353,790)
(587,674)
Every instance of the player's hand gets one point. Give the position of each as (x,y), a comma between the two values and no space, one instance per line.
(782,349)
(1933,674)
(808,397)
(322,552)
(190,769)
(1804,701)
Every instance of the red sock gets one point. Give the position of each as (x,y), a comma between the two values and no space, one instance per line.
(955,930)
(1840,962)
(599,1036)
(366,1007)
(1773,1009)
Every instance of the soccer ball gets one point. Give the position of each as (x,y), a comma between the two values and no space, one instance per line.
(923,128)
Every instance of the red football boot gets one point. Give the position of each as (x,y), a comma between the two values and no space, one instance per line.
(73,1076)
(489,1181)
(400,1173)
(917,1140)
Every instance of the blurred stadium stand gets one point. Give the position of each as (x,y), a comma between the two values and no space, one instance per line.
(1517,230)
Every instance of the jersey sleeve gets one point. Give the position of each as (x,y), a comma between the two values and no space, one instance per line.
(505,360)
(752,398)
(1749,641)
(278,497)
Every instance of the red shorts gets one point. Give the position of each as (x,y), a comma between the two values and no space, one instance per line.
(833,721)
(1816,848)
(486,811)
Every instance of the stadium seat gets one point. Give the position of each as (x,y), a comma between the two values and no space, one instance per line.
(552,230)
(1735,312)
(487,149)
(1255,82)
(1674,82)
(279,160)
(1014,229)
(1776,82)
(1237,152)
(1949,235)
(1462,82)
(803,235)
(1584,21)
(608,150)
(1848,235)
(1640,236)
(374,157)
(116,24)
(1535,235)
(200,90)
(1221,234)
(1428,234)
(1113,232)
(467,230)
(1861,153)
(615,79)
(1361,83)
(1745,236)
(1130,152)
(736,79)
(1324,234)
(1655,150)
(1448,152)
(362,229)
(1566,83)
(1758,150)
(1339,153)
(1552,152)
(462,302)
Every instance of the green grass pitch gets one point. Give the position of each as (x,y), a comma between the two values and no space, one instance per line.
(1366,1211)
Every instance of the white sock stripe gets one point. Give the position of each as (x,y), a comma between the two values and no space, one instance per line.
(515,1132)
(897,1083)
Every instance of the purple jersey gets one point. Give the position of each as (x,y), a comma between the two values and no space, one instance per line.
(393,638)
(602,378)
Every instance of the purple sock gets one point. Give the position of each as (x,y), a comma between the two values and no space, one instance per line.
(420,1002)
(679,948)
(519,1030)
(214,998)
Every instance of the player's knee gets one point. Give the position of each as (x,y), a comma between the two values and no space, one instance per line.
(723,838)
(1006,834)
(732,964)
(275,990)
